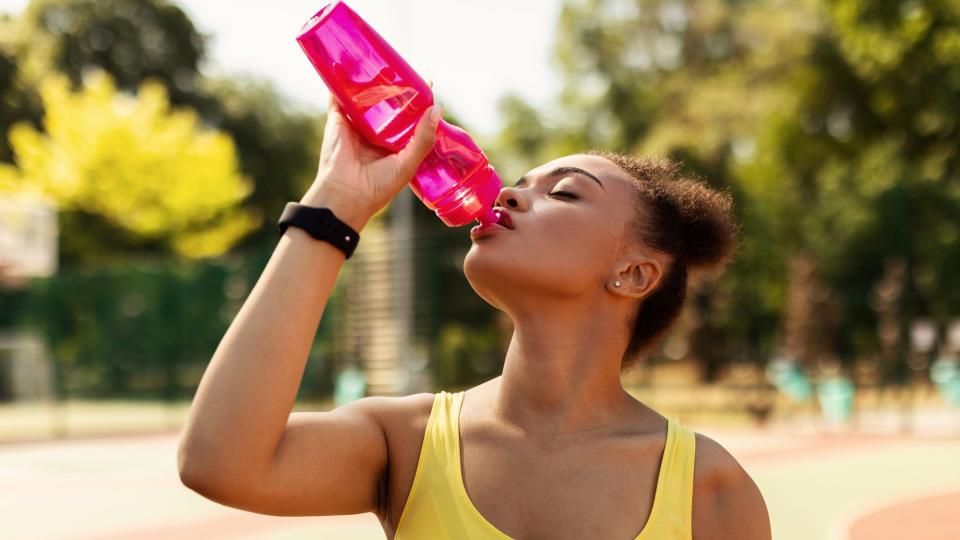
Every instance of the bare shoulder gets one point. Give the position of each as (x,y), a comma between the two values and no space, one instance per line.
(727,503)
(395,413)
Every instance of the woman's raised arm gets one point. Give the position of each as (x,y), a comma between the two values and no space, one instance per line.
(241,445)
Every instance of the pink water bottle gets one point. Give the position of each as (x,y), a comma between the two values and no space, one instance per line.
(384,98)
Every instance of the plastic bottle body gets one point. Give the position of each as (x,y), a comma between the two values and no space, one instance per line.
(384,98)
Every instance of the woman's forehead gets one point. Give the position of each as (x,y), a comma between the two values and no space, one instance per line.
(604,169)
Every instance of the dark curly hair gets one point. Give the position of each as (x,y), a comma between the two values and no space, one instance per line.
(683,217)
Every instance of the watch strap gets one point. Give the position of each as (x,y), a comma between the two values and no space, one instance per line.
(320,223)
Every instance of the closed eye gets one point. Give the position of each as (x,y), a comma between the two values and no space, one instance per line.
(564,194)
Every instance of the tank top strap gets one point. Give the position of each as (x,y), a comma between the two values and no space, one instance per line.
(442,428)
(436,451)
(436,506)
(672,512)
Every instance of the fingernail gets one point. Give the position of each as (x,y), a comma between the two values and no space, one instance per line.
(435,113)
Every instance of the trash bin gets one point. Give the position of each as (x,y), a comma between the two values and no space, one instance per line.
(945,373)
(836,398)
(787,376)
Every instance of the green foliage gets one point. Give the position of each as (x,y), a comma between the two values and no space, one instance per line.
(18,101)
(278,148)
(464,355)
(146,328)
(833,122)
(149,170)
(133,40)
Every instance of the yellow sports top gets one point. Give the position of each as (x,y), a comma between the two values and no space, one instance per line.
(438,505)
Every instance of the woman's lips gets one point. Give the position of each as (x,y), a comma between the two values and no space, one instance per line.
(504,222)
(503,218)
(483,230)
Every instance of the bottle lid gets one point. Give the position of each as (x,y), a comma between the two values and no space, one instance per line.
(488,216)
(476,202)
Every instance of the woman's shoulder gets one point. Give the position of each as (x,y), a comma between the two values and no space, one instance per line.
(726,500)
(408,415)
(398,413)
(713,464)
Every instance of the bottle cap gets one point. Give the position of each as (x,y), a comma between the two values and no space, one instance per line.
(475,200)
(487,217)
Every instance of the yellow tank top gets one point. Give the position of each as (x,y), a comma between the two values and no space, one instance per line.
(438,506)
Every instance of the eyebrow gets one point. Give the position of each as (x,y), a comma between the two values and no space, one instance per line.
(565,170)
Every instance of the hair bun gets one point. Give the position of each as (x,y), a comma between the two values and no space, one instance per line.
(708,224)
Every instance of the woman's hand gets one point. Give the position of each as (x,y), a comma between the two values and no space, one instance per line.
(356,179)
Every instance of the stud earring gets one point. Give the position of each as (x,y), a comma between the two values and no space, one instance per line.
(616,283)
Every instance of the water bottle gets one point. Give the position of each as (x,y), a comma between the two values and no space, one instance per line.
(384,98)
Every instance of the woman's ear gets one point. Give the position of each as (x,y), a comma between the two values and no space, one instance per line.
(638,276)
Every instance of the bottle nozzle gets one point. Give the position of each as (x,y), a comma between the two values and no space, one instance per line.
(487,217)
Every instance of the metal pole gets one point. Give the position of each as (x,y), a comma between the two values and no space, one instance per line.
(403,283)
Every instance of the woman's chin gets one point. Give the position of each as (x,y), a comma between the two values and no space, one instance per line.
(482,268)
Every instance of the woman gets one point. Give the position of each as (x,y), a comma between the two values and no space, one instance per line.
(591,267)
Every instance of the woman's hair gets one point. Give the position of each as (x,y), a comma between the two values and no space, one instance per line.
(684,218)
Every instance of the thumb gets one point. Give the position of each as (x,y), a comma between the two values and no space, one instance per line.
(420,145)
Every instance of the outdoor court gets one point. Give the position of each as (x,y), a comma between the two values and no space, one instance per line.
(817,485)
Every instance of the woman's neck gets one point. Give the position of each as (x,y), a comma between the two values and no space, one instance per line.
(562,373)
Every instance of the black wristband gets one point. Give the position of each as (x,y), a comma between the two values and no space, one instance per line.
(322,224)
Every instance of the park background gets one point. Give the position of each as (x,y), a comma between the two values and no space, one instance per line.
(144,161)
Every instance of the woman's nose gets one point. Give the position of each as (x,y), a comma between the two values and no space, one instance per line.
(509,197)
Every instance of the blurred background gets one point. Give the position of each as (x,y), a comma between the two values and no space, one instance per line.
(147,148)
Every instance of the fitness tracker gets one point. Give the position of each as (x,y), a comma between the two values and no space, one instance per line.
(322,224)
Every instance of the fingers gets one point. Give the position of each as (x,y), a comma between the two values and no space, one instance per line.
(333,106)
(420,145)
(332,122)
(335,116)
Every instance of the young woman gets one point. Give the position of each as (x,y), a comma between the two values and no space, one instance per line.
(590,262)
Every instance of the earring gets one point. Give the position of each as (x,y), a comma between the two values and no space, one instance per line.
(616,283)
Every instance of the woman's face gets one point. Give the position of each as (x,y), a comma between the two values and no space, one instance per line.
(568,227)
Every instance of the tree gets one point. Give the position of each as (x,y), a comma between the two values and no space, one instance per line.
(278,147)
(150,171)
(833,123)
(132,40)
(19,101)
